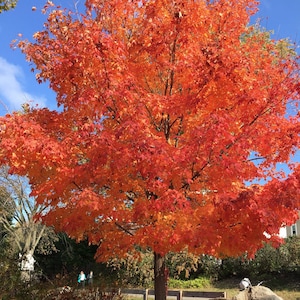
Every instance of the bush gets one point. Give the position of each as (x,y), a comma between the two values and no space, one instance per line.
(182,265)
(10,278)
(198,283)
(268,260)
(234,267)
(284,259)
(133,271)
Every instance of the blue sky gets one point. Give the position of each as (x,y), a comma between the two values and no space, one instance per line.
(18,84)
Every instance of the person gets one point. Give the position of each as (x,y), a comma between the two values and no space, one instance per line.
(81,279)
(244,284)
(90,278)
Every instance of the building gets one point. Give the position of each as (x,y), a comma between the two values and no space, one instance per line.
(291,230)
(294,229)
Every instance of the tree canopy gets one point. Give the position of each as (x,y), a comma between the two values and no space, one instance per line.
(171,114)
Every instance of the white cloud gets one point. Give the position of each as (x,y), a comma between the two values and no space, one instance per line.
(12,93)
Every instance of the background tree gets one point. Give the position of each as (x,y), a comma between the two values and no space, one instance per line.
(9,270)
(69,259)
(23,232)
(6,212)
(171,115)
(6,5)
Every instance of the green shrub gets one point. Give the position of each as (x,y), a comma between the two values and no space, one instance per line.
(133,271)
(268,260)
(198,283)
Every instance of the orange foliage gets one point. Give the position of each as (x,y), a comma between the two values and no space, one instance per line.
(162,106)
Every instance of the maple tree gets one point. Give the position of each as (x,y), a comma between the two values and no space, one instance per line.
(171,113)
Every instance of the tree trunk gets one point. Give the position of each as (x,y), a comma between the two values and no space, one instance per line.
(160,277)
(27,266)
